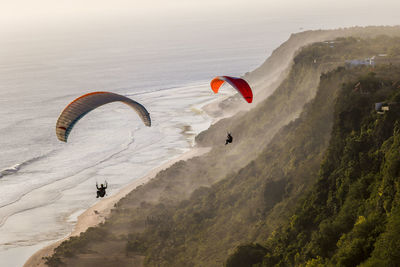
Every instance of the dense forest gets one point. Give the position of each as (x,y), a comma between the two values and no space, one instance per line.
(310,179)
(351,215)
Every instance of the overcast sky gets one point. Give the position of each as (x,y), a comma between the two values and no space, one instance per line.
(39,11)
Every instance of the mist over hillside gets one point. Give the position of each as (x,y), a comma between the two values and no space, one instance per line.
(350,214)
(197,212)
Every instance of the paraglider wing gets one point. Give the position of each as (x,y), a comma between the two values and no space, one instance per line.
(239,84)
(86,103)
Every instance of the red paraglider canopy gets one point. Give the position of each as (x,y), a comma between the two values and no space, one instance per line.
(239,84)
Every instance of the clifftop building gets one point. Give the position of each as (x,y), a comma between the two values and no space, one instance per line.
(358,62)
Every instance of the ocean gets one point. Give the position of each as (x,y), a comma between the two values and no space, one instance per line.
(44,183)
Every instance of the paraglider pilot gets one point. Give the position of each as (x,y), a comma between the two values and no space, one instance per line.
(229,139)
(101,191)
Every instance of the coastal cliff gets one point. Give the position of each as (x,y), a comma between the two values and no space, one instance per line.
(350,214)
(197,212)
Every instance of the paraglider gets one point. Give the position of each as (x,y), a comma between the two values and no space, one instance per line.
(239,84)
(229,139)
(86,103)
(101,191)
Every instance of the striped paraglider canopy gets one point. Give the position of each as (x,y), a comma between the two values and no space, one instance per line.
(86,103)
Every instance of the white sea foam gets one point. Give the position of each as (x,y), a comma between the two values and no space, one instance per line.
(110,143)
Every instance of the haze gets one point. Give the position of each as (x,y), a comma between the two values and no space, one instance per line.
(19,12)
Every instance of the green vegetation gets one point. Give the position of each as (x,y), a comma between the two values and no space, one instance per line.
(246,255)
(350,216)
(269,189)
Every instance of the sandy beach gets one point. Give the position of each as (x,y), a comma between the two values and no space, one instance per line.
(98,212)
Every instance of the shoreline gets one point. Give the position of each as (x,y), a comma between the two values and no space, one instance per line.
(97,213)
(89,218)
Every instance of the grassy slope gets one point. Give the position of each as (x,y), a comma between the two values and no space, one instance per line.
(139,211)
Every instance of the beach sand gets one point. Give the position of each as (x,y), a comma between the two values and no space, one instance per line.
(98,212)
